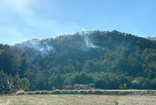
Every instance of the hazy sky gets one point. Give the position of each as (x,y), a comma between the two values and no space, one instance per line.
(21,20)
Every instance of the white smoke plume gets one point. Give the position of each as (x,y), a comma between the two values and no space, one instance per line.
(88,42)
(42,46)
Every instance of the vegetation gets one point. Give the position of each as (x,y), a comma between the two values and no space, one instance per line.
(93,92)
(77,100)
(110,60)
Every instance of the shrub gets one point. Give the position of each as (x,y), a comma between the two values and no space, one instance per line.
(20,92)
(44,92)
(56,92)
(30,93)
(116,102)
(98,92)
(37,92)
(25,84)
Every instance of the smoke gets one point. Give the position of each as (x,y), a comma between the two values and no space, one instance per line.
(44,48)
(41,46)
(88,42)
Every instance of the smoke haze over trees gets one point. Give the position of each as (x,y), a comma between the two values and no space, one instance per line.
(110,60)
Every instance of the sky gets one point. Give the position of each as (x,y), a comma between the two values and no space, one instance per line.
(22,20)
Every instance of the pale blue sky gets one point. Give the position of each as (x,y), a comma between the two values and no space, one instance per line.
(21,20)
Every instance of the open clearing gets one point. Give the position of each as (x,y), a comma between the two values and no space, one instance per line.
(69,99)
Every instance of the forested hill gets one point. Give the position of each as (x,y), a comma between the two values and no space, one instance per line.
(110,60)
(100,41)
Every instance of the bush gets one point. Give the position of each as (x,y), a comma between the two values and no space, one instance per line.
(30,93)
(25,84)
(116,102)
(44,92)
(20,92)
(37,92)
(56,92)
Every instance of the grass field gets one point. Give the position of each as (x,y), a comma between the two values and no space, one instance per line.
(69,99)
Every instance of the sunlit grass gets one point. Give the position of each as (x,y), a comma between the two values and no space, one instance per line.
(69,99)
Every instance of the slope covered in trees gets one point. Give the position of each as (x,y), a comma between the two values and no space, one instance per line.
(110,60)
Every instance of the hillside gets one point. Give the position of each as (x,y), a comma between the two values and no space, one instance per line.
(110,60)
(82,42)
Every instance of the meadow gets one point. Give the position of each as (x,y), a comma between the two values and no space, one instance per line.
(58,97)
(66,99)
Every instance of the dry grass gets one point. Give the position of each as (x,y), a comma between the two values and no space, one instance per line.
(69,99)
(95,92)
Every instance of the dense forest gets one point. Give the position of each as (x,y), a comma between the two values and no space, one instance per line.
(108,59)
